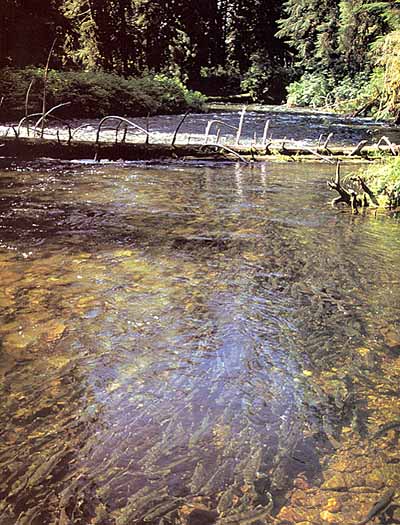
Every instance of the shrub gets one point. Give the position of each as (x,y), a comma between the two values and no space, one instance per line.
(322,91)
(311,90)
(95,94)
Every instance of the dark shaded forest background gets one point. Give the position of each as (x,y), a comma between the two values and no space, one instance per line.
(321,53)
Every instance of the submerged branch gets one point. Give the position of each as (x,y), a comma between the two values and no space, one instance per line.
(349,196)
(229,150)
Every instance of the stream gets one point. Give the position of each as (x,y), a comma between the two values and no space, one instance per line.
(194,343)
(298,127)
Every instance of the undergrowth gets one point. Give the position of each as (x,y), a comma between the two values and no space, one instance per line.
(95,94)
(384,180)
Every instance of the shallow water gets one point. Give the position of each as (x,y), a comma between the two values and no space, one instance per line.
(296,126)
(186,342)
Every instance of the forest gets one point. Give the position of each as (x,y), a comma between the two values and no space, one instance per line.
(343,55)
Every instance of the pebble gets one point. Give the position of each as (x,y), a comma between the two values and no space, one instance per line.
(338,481)
(333,505)
(374,480)
(328,516)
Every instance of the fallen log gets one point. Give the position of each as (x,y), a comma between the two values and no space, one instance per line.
(366,107)
(64,148)
(31,149)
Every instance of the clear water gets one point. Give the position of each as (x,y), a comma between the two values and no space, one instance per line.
(185,338)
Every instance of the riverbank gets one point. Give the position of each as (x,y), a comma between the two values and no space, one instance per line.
(384,180)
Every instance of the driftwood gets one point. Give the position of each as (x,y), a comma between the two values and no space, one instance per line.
(265,133)
(45,115)
(82,126)
(358,148)
(219,123)
(349,196)
(32,149)
(229,150)
(322,157)
(147,129)
(344,195)
(120,119)
(32,115)
(178,127)
(325,145)
(28,91)
(45,79)
(393,148)
(367,190)
(240,127)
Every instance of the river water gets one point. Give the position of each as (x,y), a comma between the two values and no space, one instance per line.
(190,344)
(298,127)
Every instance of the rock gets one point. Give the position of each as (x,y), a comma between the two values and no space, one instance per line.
(201,517)
(317,501)
(301,483)
(338,481)
(333,505)
(328,517)
(18,341)
(374,480)
(54,330)
(294,515)
(392,338)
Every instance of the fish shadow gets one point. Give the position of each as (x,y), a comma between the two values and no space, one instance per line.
(388,518)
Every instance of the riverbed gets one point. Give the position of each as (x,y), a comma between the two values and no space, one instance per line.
(190,341)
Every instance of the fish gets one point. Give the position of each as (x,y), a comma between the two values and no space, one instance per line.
(385,428)
(379,507)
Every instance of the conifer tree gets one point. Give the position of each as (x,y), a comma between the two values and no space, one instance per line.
(310,27)
(359,28)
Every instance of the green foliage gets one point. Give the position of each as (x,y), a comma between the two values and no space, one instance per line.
(352,93)
(264,80)
(219,81)
(335,47)
(130,37)
(310,27)
(384,180)
(388,73)
(95,94)
(347,54)
(319,90)
(359,27)
(311,90)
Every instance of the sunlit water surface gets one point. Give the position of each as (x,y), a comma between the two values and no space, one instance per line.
(185,337)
